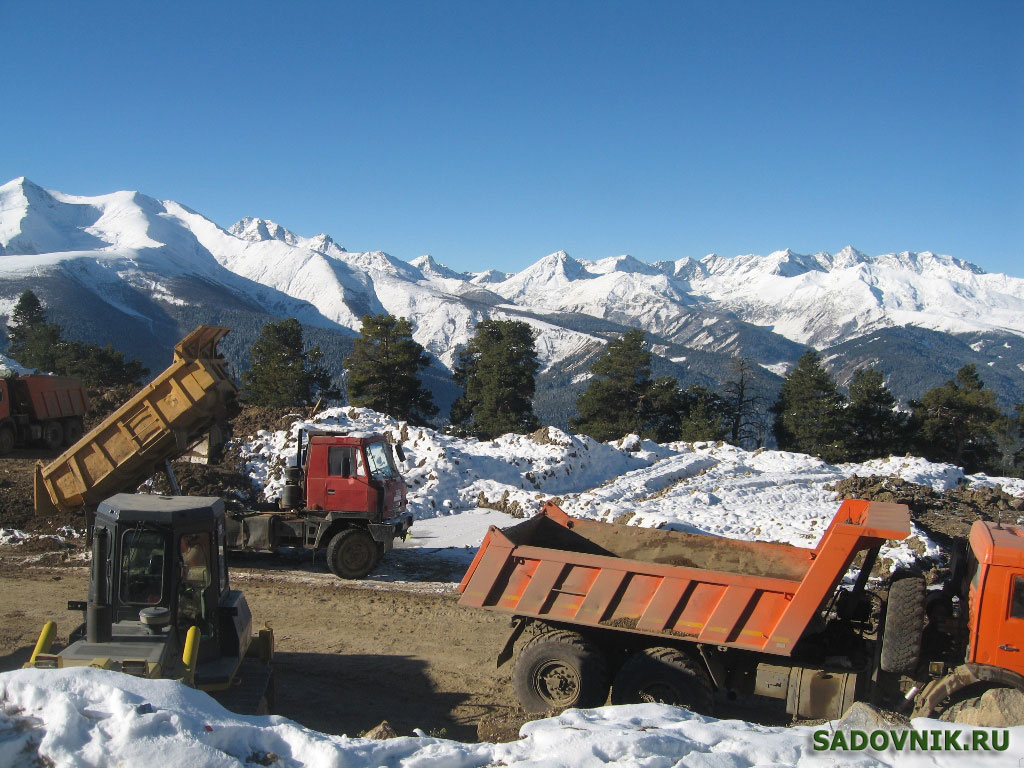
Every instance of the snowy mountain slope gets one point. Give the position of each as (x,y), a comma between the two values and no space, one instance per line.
(161,264)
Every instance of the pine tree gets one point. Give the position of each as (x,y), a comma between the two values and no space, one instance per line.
(36,343)
(875,428)
(496,370)
(624,400)
(705,416)
(281,374)
(382,371)
(33,341)
(744,407)
(612,406)
(957,423)
(809,411)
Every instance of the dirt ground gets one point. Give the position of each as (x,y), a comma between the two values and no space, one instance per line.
(347,656)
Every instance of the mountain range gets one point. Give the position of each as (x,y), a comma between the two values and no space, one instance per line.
(137,272)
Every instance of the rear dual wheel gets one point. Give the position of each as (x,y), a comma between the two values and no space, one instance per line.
(663,676)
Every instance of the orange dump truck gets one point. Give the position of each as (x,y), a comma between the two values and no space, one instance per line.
(46,410)
(687,619)
(188,399)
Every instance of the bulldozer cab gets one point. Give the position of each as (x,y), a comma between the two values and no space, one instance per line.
(163,562)
(995,595)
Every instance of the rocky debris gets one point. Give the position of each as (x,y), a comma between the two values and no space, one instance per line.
(504,504)
(862,716)
(381,731)
(944,515)
(502,726)
(995,708)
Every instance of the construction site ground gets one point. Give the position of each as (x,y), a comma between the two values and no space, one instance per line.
(347,655)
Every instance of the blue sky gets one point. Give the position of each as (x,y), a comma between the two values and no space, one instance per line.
(490,134)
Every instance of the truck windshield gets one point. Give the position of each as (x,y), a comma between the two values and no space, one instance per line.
(378,455)
(142,567)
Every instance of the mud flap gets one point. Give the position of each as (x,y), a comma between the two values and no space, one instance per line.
(381,533)
(506,653)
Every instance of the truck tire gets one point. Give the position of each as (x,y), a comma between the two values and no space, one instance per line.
(6,440)
(559,669)
(351,553)
(73,430)
(53,435)
(663,676)
(904,626)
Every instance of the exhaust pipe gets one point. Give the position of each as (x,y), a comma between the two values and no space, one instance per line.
(99,617)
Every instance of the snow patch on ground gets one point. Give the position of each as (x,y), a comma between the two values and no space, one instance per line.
(84,717)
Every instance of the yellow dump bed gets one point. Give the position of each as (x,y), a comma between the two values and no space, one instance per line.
(171,412)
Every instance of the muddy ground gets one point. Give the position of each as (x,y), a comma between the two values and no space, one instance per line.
(347,656)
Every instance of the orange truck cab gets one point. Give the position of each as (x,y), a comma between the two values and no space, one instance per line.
(343,494)
(995,598)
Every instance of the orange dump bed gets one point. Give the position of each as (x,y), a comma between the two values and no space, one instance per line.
(53,397)
(753,595)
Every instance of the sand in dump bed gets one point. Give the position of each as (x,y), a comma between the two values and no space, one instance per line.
(751,558)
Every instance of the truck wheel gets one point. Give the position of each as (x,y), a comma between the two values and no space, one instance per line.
(53,435)
(352,553)
(663,676)
(6,440)
(560,669)
(73,430)
(904,626)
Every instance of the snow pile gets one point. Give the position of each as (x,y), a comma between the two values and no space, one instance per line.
(711,488)
(92,717)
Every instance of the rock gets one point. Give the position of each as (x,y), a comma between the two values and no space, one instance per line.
(863,717)
(997,708)
(381,732)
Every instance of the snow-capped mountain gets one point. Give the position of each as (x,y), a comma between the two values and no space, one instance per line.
(127,262)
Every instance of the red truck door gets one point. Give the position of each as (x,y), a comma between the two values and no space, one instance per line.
(5,400)
(337,480)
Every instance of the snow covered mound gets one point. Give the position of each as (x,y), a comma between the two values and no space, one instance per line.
(711,488)
(87,718)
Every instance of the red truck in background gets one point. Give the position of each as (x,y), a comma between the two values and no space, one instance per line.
(344,493)
(45,410)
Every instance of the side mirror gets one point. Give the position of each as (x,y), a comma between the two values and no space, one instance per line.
(400,451)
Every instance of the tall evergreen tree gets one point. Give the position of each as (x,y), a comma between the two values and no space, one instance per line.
(622,399)
(809,411)
(875,428)
(705,415)
(383,370)
(36,343)
(497,371)
(958,421)
(281,374)
(743,406)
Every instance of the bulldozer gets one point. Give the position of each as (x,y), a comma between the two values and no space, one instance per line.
(160,604)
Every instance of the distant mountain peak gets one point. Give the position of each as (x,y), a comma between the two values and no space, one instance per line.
(256,230)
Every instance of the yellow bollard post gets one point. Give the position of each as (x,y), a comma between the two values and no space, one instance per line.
(44,642)
(190,654)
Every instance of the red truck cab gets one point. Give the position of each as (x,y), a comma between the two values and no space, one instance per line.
(345,494)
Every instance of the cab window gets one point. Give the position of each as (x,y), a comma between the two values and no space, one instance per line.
(340,459)
(378,455)
(195,561)
(142,568)
(1017,602)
